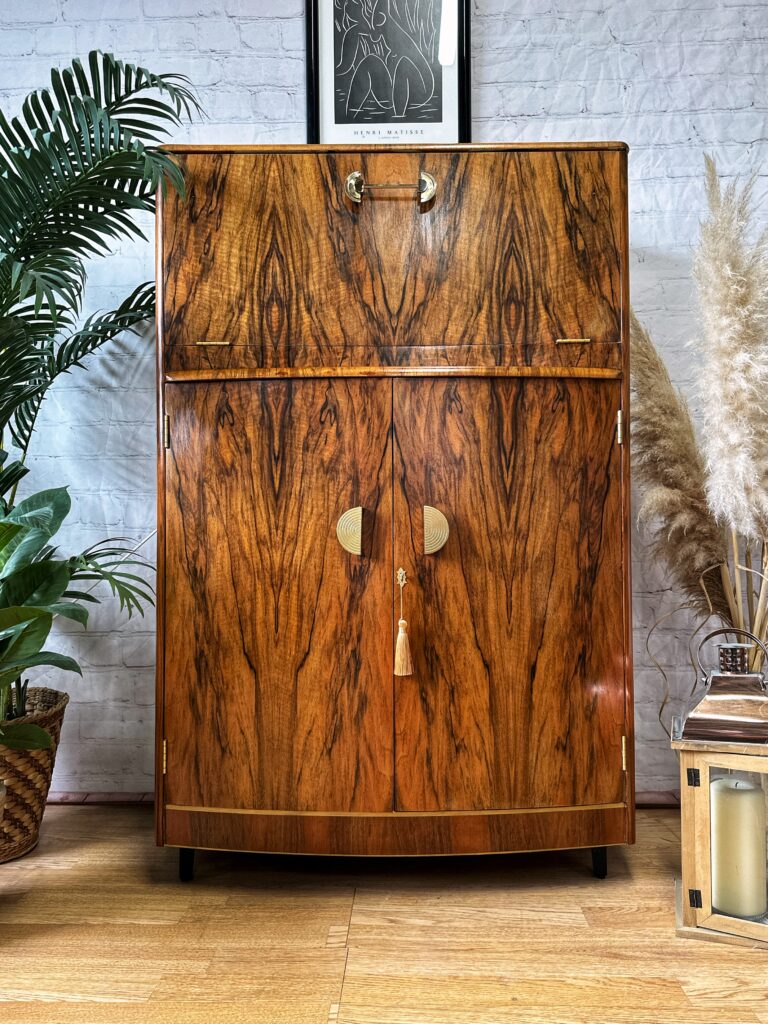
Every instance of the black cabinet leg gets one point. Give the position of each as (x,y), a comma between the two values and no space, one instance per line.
(599,861)
(186,864)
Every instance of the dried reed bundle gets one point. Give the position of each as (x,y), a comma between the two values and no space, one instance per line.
(732,279)
(667,460)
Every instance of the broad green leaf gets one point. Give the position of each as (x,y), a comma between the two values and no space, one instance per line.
(38,584)
(24,736)
(43,510)
(19,616)
(69,610)
(44,513)
(23,638)
(9,670)
(8,530)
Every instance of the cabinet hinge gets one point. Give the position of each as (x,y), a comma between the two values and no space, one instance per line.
(694,898)
(620,427)
(166,431)
(694,776)
(623,753)
(165,757)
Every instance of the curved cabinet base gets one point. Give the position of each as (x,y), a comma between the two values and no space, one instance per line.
(405,835)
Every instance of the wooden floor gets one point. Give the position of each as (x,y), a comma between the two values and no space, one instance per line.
(95,928)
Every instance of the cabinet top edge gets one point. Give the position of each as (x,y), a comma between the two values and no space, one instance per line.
(463,147)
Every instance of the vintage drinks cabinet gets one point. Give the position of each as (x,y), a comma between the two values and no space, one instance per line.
(439,362)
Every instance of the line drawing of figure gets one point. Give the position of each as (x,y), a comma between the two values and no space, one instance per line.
(386,60)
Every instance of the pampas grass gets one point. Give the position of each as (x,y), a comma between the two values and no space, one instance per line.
(732,279)
(706,502)
(668,462)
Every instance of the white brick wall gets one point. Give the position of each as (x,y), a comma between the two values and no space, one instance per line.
(673,78)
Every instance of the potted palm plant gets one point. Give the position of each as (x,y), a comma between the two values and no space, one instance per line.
(37,584)
(78,162)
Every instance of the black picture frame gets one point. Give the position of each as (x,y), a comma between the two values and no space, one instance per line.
(463,56)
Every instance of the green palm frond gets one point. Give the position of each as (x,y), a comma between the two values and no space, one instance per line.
(136,309)
(76,165)
(71,197)
(116,86)
(46,276)
(70,351)
(109,562)
(21,364)
(74,168)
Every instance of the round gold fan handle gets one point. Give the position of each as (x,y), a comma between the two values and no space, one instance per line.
(435,530)
(349,530)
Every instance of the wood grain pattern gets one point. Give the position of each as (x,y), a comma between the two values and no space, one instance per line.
(268,256)
(696,822)
(159,789)
(391,814)
(311,372)
(396,835)
(516,626)
(626,507)
(278,675)
(707,934)
(273,940)
(290,319)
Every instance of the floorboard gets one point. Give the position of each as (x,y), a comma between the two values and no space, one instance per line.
(96,929)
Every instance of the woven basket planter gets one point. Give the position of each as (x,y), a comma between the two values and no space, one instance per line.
(27,775)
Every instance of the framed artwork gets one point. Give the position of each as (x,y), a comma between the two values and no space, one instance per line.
(389,71)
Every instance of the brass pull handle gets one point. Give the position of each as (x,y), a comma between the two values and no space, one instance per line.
(435,530)
(352,530)
(355,186)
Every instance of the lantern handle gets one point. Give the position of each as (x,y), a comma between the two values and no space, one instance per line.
(722,632)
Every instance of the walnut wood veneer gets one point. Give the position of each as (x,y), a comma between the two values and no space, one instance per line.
(469,354)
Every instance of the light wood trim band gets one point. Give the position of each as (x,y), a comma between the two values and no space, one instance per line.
(397,834)
(393,814)
(394,856)
(308,372)
(724,747)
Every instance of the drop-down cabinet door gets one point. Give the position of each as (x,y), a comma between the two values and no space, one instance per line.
(278,642)
(516,624)
(266,261)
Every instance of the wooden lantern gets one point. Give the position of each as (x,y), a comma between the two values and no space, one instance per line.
(723,789)
(724,804)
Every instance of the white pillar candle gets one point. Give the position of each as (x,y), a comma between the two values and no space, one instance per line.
(738,841)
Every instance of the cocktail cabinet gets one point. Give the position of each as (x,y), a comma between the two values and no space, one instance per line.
(375,359)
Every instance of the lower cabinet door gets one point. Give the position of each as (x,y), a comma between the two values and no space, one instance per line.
(278,690)
(517,699)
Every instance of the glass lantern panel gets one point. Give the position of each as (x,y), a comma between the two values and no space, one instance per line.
(738,843)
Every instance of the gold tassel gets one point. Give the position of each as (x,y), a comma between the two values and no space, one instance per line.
(403,661)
